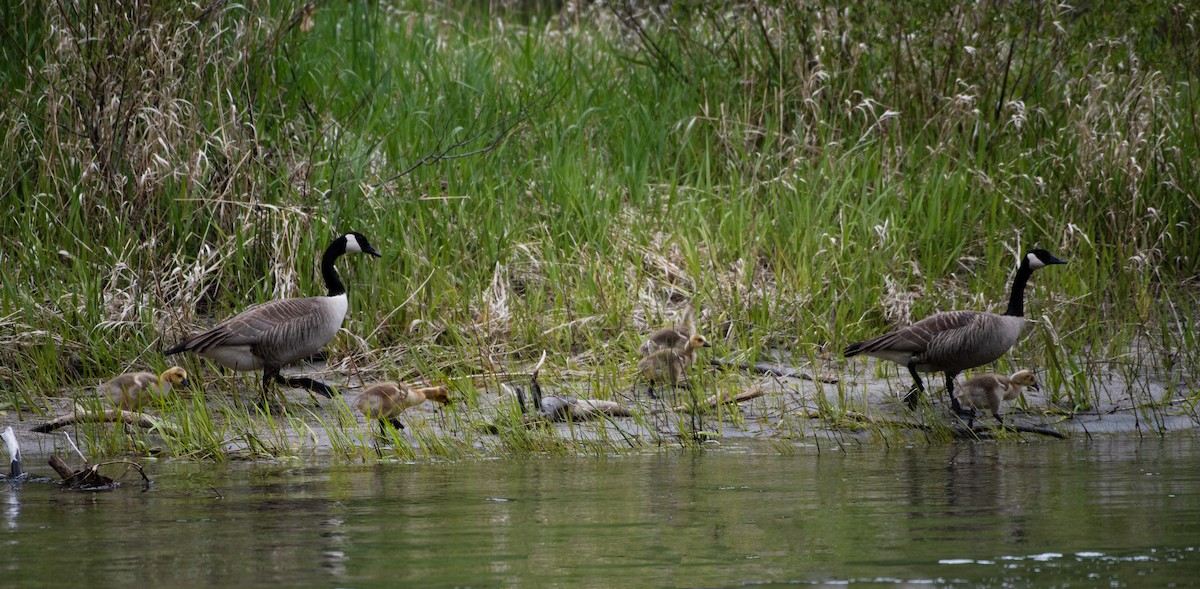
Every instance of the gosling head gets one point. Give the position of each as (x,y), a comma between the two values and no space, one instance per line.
(698,341)
(1024,378)
(176,376)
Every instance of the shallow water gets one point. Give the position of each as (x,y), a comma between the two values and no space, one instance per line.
(1113,512)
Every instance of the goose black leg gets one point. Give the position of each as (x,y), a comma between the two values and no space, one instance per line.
(914,394)
(954,404)
(269,375)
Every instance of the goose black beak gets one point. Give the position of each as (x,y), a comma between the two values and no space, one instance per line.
(1055,260)
(370,250)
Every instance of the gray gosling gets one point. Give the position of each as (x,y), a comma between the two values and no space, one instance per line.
(668,338)
(385,401)
(953,341)
(988,390)
(668,365)
(275,334)
(133,390)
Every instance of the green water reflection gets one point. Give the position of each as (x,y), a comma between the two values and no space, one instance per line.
(1106,512)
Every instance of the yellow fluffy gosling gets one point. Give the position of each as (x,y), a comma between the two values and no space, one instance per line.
(667,366)
(385,401)
(988,390)
(133,390)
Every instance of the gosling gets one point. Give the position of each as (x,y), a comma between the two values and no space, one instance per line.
(385,401)
(669,338)
(669,364)
(988,390)
(133,390)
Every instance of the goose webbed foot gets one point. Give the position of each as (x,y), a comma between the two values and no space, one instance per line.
(395,421)
(309,384)
(914,393)
(913,396)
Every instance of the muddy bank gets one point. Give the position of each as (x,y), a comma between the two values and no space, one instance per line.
(833,403)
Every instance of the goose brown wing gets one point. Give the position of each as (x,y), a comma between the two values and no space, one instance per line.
(917,338)
(267,325)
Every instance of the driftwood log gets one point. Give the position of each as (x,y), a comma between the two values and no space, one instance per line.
(723,398)
(110,415)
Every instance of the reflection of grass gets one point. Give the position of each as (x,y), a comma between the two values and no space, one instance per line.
(804,179)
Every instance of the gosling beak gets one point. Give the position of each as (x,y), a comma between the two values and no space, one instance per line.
(1035,387)
(708,344)
(185,383)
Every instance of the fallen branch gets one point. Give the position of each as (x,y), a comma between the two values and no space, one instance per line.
(110,415)
(772,369)
(723,398)
(88,477)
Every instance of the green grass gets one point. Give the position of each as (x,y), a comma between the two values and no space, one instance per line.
(806,175)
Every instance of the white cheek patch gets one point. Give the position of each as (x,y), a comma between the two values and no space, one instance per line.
(1034,261)
(352,244)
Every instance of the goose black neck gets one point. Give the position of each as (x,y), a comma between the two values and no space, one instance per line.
(536,390)
(333,282)
(1016,300)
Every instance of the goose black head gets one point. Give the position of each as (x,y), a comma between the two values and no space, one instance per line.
(355,242)
(1038,258)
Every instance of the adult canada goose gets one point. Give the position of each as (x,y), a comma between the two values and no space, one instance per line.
(954,341)
(671,337)
(133,390)
(385,401)
(988,390)
(274,334)
(668,365)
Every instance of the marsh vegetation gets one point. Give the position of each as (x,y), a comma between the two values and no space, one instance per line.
(569,178)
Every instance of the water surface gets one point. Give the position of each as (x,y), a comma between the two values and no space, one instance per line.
(1110,512)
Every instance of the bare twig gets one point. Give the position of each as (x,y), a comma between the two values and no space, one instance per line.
(75,448)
